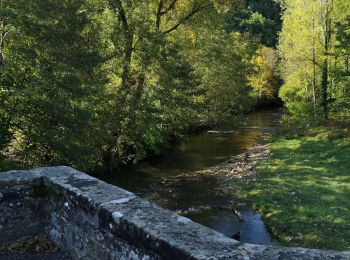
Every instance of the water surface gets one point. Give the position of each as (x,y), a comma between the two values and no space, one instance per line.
(204,150)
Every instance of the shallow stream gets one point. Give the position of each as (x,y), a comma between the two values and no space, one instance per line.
(197,197)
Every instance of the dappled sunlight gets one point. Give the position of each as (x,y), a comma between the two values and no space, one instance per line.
(305,192)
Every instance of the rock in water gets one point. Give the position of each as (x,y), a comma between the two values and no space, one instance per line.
(220,132)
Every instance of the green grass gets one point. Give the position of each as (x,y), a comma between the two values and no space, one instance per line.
(304,190)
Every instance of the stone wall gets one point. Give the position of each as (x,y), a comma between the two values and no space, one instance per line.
(20,204)
(90,219)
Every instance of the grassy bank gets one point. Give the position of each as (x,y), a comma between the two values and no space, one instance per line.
(304,190)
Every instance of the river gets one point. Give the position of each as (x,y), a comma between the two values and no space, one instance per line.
(197,197)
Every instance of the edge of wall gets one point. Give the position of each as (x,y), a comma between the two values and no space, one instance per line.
(88,218)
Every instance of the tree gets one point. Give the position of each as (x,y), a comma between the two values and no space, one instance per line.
(307,47)
(264,79)
(340,90)
(259,18)
(5,30)
(96,84)
(48,79)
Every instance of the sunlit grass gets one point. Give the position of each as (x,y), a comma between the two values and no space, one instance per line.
(304,192)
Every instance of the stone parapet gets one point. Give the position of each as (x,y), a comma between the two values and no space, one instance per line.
(90,219)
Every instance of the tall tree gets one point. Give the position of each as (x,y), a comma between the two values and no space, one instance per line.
(48,77)
(325,9)
(259,18)
(90,83)
(307,47)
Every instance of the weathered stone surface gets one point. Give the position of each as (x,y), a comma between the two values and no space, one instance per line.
(90,219)
(19,215)
(17,177)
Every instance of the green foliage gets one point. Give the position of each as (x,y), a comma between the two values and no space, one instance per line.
(92,83)
(163,110)
(47,79)
(314,57)
(228,91)
(259,18)
(222,62)
(264,79)
(341,70)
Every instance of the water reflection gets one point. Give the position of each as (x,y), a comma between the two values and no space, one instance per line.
(203,150)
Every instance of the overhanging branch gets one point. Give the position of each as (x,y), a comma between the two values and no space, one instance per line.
(186,18)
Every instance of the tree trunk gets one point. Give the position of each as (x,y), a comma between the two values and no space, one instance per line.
(325,9)
(324,89)
(3,35)
(159,14)
(314,86)
(128,44)
(129,39)
(314,68)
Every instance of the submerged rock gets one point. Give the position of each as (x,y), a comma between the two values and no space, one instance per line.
(220,132)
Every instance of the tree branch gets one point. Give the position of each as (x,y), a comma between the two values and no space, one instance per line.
(3,36)
(159,14)
(171,6)
(186,18)
(128,44)
(118,8)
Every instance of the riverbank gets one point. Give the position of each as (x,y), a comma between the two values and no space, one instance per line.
(240,168)
(192,179)
(303,190)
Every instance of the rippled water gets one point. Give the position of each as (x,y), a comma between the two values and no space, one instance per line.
(201,151)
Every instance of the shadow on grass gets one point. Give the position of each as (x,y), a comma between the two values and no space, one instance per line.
(304,193)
